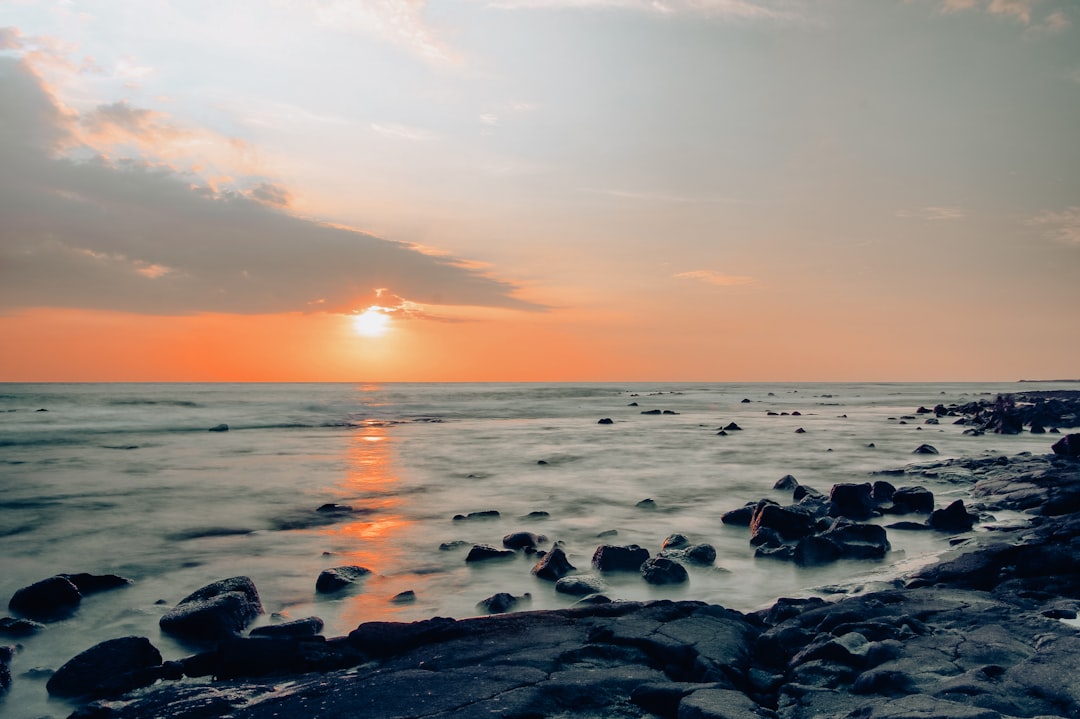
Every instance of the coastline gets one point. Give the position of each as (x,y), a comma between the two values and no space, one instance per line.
(978,635)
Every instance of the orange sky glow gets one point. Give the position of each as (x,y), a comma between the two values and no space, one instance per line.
(574,190)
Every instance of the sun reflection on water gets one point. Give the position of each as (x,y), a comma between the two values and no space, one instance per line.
(374,535)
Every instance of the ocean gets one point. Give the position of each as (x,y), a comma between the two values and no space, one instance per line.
(126,479)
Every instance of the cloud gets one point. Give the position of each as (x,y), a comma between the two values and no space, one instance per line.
(933,214)
(400,22)
(715,278)
(403,132)
(1020,10)
(737,9)
(130,235)
(1062,226)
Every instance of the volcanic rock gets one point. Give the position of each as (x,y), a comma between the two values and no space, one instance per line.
(217,611)
(108,669)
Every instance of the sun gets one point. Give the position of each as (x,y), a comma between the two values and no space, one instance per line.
(372,322)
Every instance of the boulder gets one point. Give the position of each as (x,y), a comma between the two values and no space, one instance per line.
(790,522)
(337,578)
(661,570)
(107,669)
(925,449)
(217,611)
(1068,446)
(612,558)
(92,583)
(307,627)
(850,500)
(219,428)
(675,541)
(48,600)
(732,427)
(907,500)
(606,420)
(953,518)
(6,655)
(554,565)
(485,514)
(696,553)
(882,491)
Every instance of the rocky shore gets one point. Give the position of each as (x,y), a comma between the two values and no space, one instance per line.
(988,632)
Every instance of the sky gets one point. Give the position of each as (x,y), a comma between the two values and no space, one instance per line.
(539,190)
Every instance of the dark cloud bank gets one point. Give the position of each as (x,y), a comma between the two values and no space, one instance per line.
(135,237)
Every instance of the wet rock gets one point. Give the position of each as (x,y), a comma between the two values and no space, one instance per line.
(93,583)
(925,449)
(786,483)
(46,601)
(1068,446)
(217,611)
(652,411)
(908,500)
(612,558)
(484,552)
(11,627)
(6,655)
(107,669)
(648,504)
(219,428)
(406,597)
(954,518)
(800,430)
(732,427)
(554,565)
(337,578)
(332,508)
(675,541)
(501,602)
(307,627)
(739,517)
(606,420)
(661,570)
(790,522)
(882,491)
(703,554)
(580,585)
(851,500)
(523,540)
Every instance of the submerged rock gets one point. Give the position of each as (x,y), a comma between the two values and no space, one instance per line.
(482,552)
(307,627)
(954,518)
(662,570)
(1068,446)
(502,602)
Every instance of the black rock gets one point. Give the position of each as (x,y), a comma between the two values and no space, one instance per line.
(649,504)
(606,420)
(739,517)
(787,483)
(790,522)
(307,627)
(48,600)
(1068,446)
(217,611)
(481,552)
(553,566)
(92,583)
(406,597)
(953,518)
(486,514)
(851,500)
(501,602)
(882,491)
(700,554)
(912,499)
(337,578)
(800,430)
(732,427)
(610,558)
(925,449)
(219,428)
(18,627)
(107,669)
(661,570)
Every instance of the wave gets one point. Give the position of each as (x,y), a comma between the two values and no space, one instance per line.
(152,402)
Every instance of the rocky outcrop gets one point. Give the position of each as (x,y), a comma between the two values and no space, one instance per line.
(337,578)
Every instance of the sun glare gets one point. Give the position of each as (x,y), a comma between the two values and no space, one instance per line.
(372,322)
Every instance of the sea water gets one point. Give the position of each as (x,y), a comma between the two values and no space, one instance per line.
(126,479)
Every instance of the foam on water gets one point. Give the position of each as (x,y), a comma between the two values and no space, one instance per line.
(126,479)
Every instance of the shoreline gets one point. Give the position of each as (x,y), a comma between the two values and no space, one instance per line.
(976,635)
